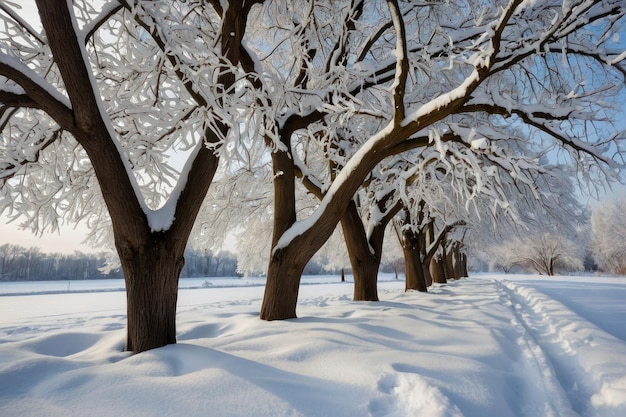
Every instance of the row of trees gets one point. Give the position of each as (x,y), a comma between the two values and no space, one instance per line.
(600,245)
(18,263)
(608,224)
(598,242)
(300,116)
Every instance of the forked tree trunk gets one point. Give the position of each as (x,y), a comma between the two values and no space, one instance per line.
(151,276)
(152,261)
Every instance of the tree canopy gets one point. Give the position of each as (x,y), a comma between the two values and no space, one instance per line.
(397,100)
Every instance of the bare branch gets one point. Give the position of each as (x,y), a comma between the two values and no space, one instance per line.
(402,63)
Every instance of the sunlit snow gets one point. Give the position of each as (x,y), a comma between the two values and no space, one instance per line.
(482,346)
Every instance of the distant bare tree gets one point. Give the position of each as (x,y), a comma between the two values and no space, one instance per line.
(608,244)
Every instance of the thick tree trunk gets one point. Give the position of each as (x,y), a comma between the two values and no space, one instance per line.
(412,260)
(414,271)
(364,263)
(366,282)
(457,260)
(151,274)
(437,270)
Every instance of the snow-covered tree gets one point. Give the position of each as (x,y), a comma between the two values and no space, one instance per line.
(99,98)
(508,63)
(543,235)
(547,253)
(608,244)
(132,83)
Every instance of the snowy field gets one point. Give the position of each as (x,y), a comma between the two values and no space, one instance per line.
(483,346)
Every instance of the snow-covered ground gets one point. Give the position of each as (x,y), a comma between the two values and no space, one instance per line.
(484,346)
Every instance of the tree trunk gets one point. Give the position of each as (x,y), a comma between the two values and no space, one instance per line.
(428,238)
(457,260)
(464,265)
(438,270)
(414,271)
(364,263)
(282,284)
(287,263)
(450,260)
(428,278)
(366,282)
(412,260)
(151,274)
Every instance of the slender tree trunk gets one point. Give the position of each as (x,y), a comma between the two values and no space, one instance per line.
(448,271)
(428,278)
(464,265)
(427,240)
(366,282)
(287,263)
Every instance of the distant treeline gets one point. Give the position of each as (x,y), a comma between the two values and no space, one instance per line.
(18,263)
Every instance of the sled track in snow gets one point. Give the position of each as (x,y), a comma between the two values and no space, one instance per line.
(548,353)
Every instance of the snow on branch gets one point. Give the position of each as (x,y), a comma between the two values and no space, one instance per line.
(20,22)
(43,95)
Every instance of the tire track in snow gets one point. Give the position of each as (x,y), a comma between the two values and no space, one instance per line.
(588,363)
(543,376)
